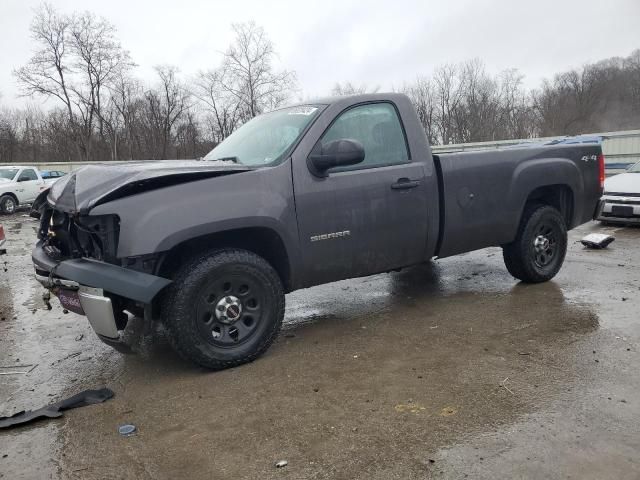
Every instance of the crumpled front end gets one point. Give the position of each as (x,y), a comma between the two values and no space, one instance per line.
(76,258)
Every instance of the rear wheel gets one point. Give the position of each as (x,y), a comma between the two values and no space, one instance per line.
(8,204)
(224,308)
(538,251)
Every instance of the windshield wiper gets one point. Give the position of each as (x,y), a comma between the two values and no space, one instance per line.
(226,159)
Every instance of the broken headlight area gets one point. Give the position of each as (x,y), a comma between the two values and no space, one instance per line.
(76,236)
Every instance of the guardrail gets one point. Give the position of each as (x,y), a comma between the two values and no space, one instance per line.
(620,149)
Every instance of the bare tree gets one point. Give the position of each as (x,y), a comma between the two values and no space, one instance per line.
(348,88)
(422,95)
(165,106)
(518,118)
(48,70)
(124,108)
(448,94)
(100,61)
(249,75)
(78,56)
(223,107)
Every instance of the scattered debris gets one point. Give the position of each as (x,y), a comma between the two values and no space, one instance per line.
(127,429)
(524,353)
(448,411)
(71,355)
(88,397)
(597,240)
(46,298)
(282,464)
(503,384)
(409,407)
(17,366)
(79,337)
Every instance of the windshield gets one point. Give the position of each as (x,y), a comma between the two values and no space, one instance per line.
(634,168)
(265,139)
(8,173)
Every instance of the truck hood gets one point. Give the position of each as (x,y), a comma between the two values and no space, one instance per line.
(83,189)
(623,183)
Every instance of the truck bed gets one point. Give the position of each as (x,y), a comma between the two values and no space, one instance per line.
(483,193)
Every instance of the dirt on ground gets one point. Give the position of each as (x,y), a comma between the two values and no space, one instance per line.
(452,369)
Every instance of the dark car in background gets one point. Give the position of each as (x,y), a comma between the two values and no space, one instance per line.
(51,174)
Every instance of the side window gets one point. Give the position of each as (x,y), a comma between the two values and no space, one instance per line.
(378,128)
(28,174)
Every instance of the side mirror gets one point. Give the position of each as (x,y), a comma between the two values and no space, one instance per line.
(339,153)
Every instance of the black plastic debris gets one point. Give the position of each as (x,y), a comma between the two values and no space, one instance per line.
(597,240)
(82,399)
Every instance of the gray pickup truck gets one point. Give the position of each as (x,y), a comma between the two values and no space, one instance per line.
(308,194)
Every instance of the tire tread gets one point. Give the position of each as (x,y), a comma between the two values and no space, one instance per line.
(517,256)
(175,311)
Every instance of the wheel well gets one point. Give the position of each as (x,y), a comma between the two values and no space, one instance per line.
(259,240)
(12,195)
(557,196)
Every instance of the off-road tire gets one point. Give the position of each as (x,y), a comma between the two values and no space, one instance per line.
(180,310)
(5,202)
(520,256)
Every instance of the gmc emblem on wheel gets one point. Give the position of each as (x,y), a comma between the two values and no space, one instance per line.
(327,236)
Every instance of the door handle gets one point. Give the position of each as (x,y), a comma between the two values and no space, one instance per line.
(405,183)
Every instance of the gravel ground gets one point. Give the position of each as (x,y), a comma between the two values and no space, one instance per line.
(447,370)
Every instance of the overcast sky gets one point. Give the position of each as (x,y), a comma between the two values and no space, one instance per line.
(378,43)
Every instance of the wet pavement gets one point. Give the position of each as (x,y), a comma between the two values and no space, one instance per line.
(447,370)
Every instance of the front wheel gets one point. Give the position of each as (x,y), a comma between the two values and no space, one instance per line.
(8,204)
(538,251)
(224,308)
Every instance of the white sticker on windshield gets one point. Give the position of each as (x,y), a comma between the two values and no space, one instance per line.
(302,110)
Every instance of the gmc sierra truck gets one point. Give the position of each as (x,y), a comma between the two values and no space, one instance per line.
(304,195)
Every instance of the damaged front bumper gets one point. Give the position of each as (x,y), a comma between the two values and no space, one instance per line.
(89,279)
(97,308)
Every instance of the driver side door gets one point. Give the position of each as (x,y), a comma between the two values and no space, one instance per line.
(369,217)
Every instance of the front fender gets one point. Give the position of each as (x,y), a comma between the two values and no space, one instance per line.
(157,220)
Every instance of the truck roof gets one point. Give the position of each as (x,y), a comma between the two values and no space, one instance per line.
(350,99)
